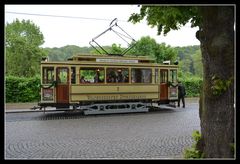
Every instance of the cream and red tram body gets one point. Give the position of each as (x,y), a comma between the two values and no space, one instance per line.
(98,84)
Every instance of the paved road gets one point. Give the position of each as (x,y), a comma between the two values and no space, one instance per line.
(160,134)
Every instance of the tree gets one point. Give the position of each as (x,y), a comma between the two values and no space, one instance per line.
(23,54)
(190,60)
(144,47)
(164,52)
(185,65)
(147,46)
(114,49)
(216,35)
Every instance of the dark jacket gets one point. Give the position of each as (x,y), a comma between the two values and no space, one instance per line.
(181,90)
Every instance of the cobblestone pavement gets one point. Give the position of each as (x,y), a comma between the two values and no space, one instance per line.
(161,134)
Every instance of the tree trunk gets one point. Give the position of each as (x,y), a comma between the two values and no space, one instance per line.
(217,101)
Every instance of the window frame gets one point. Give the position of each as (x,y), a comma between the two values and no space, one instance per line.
(91,81)
(142,68)
(116,70)
(46,80)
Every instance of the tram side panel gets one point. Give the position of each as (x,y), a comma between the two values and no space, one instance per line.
(103,99)
(86,93)
(156,90)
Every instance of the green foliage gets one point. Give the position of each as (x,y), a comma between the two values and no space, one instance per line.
(20,89)
(116,49)
(166,18)
(193,86)
(147,46)
(190,61)
(192,152)
(63,53)
(219,86)
(164,52)
(196,135)
(185,65)
(23,54)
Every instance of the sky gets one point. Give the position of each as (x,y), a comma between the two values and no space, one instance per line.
(77,25)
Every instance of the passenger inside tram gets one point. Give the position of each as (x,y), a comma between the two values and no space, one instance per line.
(82,79)
(97,76)
(120,76)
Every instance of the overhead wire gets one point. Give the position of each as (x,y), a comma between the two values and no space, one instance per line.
(61,16)
(71,17)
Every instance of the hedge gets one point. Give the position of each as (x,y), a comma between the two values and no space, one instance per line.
(19,89)
(192,86)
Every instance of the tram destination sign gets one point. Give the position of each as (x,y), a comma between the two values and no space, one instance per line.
(116,61)
(116,97)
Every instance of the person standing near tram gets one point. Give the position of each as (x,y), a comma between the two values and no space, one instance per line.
(181,93)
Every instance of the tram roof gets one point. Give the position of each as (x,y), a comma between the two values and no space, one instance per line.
(112,58)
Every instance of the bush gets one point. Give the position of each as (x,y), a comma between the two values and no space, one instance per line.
(20,89)
(193,86)
(192,152)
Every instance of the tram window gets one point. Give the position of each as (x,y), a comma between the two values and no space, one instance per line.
(141,75)
(173,76)
(62,76)
(73,75)
(117,75)
(92,75)
(163,76)
(48,75)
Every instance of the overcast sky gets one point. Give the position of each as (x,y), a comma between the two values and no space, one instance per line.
(77,25)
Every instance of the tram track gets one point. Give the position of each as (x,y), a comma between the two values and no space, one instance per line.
(65,115)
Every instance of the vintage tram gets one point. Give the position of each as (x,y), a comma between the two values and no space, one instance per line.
(110,83)
(100,84)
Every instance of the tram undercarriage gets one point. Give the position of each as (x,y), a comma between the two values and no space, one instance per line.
(99,108)
(121,107)
(105,107)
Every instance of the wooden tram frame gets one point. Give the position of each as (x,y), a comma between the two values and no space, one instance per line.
(105,97)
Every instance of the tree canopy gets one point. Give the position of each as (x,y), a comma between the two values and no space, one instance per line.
(23,54)
(167,18)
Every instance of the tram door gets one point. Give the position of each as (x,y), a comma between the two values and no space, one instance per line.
(62,88)
(163,84)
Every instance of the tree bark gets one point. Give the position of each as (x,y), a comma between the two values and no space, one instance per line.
(217,111)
